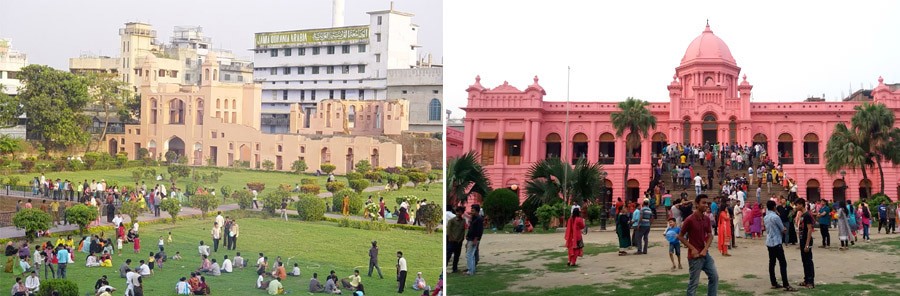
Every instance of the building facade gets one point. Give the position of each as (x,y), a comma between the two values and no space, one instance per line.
(423,87)
(708,102)
(341,63)
(218,123)
(11,63)
(179,61)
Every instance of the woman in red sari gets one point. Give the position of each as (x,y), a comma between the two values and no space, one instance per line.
(573,236)
(724,230)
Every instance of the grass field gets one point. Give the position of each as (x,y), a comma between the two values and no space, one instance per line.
(318,247)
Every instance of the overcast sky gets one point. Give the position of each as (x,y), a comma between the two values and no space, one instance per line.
(51,32)
(788,49)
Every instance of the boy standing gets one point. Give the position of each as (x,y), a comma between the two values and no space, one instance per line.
(696,234)
(806,230)
(671,235)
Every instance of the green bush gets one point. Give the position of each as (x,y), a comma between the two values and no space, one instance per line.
(204,202)
(32,220)
(27,164)
(401,181)
(546,213)
(311,208)
(272,200)
(75,165)
(431,215)
(364,225)
(81,215)
(335,186)
(268,165)
(306,181)
(132,209)
(359,185)
(313,189)
(226,191)
(363,166)
(299,166)
(327,168)
(372,176)
(593,213)
(244,198)
(501,206)
(171,206)
(191,188)
(137,175)
(417,178)
(354,176)
(60,286)
(356,202)
(121,159)
(178,171)
(90,159)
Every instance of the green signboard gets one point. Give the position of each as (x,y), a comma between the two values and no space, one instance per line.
(343,34)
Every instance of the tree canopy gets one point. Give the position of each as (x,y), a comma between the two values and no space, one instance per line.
(54,102)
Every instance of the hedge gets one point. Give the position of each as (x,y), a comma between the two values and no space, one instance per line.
(311,208)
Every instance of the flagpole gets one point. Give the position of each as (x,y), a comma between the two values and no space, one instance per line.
(566,171)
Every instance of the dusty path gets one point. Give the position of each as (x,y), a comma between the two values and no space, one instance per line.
(747,268)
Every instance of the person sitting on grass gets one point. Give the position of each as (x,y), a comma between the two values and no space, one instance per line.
(275,287)
(194,281)
(279,272)
(419,283)
(261,282)
(314,285)
(295,271)
(331,287)
(177,256)
(107,292)
(144,269)
(352,281)
(182,287)
(102,285)
(205,265)
(105,260)
(214,269)
(227,266)
(203,288)
(239,261)
(92,261)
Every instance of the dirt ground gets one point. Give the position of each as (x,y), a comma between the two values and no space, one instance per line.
(746,269)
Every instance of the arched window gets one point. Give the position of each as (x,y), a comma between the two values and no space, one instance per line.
(553,145)
(233,103)
(786,148)
(377,116)
(607,148)
(732,131)
(176,111)
(710,128)
(811,149)
(199,118)
(219,103)
(153,111)
(686,127)
(351,117)
(434,110)
(579,146)
(325,156)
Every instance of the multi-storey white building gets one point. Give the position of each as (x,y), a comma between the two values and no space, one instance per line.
(423,87)
(11,63)
(343,62)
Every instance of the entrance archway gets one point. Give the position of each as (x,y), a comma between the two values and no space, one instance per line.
(245,153)
(865,188)
(813,193)
(176,145)
(632,190)
(607,194)
(113,147)
(710,129)
(198,154)
(839,190)
(151,147)
(659,142)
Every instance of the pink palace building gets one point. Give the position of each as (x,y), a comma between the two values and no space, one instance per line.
(708,102)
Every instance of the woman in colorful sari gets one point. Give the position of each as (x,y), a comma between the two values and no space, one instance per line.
(747,212)
(622,223)
(756,221)
(724,230)
(843,226)
(573,237)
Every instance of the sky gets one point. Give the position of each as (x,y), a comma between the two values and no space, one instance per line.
(51,32)
(789,50)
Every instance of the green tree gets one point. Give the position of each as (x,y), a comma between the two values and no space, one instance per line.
(465,176)
(299,166)
(327,168)
(431,215)
(635,120)
(359,185)
(881,138)
(32,220)
(132,209)
(335,186)
(845,149)
(55,101)
(311,208)
(10,109)
(268,165)
(171,206)
(501,206)
(545,181)
(108,94)
(205,203)
(81,215)
(244,198)
(10,145)
(272,200)
(363,166)
(177,171)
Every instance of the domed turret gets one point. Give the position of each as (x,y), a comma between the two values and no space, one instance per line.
(707,48)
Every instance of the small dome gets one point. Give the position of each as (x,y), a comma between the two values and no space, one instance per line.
(708,47)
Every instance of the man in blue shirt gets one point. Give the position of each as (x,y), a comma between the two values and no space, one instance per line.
(882,216)
(774,232)
(644,217)
(63,255)
(824,223)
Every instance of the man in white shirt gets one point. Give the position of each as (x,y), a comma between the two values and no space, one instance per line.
(144,268)
(215,270)
(220,220)
(182,287)
(133,280)
(227,266)
(401,271)
(203,249)
(698,184)
(33,283)
(118,220)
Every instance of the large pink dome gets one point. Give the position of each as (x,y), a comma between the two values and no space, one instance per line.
(708,48)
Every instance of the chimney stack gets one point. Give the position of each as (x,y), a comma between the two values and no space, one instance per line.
(337,13)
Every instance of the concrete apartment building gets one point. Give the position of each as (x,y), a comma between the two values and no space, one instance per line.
(11,63)
(354,63)
(423,87)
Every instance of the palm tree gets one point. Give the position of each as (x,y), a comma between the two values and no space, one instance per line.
(545,181)
(635,119)
(875,123)
(465,176)
(845,149)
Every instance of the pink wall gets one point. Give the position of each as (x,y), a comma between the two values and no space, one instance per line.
(454,142)
(705,84)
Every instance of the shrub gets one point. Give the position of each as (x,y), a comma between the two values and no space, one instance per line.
(27,164)
(60,164)
(372,211)
(545,214)
(268,165)
(431,215)
(60,286)
(143,153)
(226,191)
(363,166)
(171,157)
(13,180)
(313,189)
(149,173)
(393,170)
(392,180)
(258,186)
(306,181)
(401,181)
(359,185)
(212,177)
(132,209)
(417,178)
(299,166)
(171,206)
(272,200)
(433,177)
(178,171)
(137,175)
(335,186)
(337,201)
(244,198)
(121,159)
(81,215)
(501,205)
(327,168)
(372,176)
(593,213)
(354,176)
(364,225)
(204,202)
(311,208)
(90,159)
(32,220)
(75,165)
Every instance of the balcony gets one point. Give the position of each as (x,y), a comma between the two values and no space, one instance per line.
(634,160)
(276,121)
(607,160)
(113,130)
(786,160)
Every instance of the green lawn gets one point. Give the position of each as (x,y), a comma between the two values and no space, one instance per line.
(317,247)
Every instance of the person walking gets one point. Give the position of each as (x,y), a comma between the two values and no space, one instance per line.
(401,272)
(456,234)
(622,231)
(216,236)
(775,231)
(373,259)
(807,227)
(473,237)
(235,232)
(643,230)
(696,234)
(724,239)
(843,225)
(573,236)
(284,205)
(824,215)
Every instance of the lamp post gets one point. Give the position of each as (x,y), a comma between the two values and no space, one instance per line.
(604,211)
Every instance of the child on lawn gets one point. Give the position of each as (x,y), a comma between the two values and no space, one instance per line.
(671,235)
